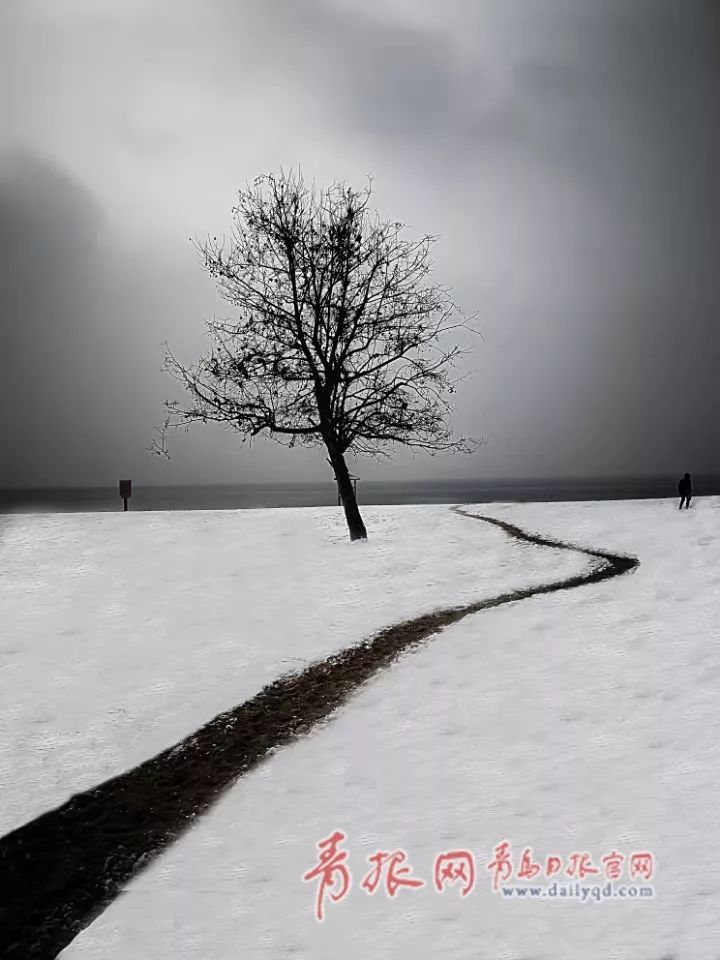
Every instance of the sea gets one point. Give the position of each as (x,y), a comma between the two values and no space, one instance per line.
(254,495)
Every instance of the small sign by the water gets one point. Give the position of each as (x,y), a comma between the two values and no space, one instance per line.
(125,491)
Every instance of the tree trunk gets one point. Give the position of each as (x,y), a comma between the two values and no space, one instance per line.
(346,492)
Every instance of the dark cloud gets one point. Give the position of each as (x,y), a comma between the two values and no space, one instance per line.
(78,360)
(567,152)
(49,229)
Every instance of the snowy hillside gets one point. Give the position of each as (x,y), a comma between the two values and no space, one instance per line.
(123,633)
(582,720)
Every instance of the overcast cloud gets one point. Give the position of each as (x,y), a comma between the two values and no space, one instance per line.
(567,152)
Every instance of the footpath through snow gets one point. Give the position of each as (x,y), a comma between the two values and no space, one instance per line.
(453,715)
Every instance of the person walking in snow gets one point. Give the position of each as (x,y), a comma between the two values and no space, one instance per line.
(685,490)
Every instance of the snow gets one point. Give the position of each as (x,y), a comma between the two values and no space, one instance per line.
(123,633)
(581,720)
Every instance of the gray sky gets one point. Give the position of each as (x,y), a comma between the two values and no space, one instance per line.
(567,152)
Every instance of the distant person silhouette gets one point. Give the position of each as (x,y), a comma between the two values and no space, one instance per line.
(685,491)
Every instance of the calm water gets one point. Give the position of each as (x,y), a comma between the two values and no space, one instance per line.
(248,495)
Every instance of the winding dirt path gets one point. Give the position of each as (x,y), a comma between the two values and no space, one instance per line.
(61,870)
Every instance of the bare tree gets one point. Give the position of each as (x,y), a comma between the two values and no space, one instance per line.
(337,337)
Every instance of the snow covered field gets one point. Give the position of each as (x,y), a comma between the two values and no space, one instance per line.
(583,720)
(123,633)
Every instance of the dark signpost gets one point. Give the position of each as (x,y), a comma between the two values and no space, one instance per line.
(125,491)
